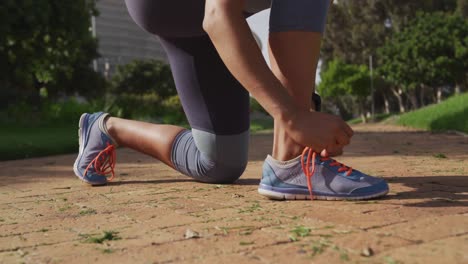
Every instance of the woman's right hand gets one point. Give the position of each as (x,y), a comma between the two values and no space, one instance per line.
(324,133)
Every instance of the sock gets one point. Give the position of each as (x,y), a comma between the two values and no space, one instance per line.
(102,126)
(283,164)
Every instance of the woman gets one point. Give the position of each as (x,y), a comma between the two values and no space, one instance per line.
(216,63)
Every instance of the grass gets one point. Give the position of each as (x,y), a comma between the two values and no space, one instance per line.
(299,231)
(450,114)
(377,118)
(106,236)
(254,207)
(88,212)
(440,156)
(39,140)
(19,142)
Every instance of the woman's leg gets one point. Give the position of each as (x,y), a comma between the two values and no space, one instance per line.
(151,139)
(217,106)
(295,35)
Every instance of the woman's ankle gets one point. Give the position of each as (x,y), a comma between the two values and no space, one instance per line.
(284,147)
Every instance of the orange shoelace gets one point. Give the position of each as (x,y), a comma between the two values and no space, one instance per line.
(310,163)
(104,162)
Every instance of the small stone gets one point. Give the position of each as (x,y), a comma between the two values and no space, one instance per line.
(367,252)
(191,234)
(301,251)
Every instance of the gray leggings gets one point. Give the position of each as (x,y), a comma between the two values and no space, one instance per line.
(216,104)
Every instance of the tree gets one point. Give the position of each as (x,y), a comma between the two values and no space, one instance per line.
(346,79)
(462,8)
(355,29)
(42,40)
(432,52)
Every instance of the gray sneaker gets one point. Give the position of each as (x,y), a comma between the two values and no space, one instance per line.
(313,177)
(96,157)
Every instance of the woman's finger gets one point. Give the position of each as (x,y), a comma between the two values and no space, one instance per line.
(343,139)
(349,131)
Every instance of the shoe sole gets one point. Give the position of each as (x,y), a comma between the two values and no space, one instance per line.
(81,149)
(284,196)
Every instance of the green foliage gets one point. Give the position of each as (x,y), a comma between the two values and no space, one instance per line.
(137,105)
(261,123)
(106,236)
(19,142)
(173,112)
(451,114)
(145,89)
(89,211)
(144,77)
(340,79)
(356,29)
(300,231)
(49,130)
(432,51)
(41,42)
(68,111)
(462,8)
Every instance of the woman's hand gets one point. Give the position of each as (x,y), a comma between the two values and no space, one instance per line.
(324,133)
(227,28)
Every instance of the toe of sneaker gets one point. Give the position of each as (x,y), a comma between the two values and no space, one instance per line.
(380,187)
(95,179)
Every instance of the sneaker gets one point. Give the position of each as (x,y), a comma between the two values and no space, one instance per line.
(311,176)
(96,157)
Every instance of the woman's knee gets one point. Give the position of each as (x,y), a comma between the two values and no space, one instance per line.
(219,173)
(211,158)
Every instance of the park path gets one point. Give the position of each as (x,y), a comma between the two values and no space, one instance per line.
(48,216)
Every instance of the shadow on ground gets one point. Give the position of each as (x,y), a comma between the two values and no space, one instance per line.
(245,182)
(437,191)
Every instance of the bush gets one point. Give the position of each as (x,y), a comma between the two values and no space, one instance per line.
(173,113)
(144,77)
(145,90)
(135,106)
(67,111)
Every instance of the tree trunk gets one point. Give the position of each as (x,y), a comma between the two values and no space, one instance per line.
(363,118)
(422,95)
(362,111)
(457,88)
(398,94)
(439,94)
(414,99)
(386,104)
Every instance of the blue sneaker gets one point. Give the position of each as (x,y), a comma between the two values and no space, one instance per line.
(96,157)
(313,177)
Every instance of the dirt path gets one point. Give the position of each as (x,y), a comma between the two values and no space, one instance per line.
(48,216)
